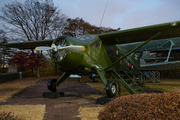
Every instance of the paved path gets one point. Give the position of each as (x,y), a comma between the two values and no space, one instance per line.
(64,108)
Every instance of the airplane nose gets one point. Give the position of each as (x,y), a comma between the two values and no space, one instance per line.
(58,54)
(66,53)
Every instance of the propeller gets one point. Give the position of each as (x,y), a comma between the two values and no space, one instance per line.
(72,48)
(59,48)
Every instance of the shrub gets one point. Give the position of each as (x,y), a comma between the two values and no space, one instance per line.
(144,106)
(28,73)
(46,71)
(49,71)
(9,116)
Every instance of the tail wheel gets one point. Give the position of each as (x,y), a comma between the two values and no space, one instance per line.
(111,89)
(52,85)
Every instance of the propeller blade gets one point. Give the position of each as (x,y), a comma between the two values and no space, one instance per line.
(68,48)
(43,48)
(72,48)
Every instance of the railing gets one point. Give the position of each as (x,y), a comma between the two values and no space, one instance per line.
(156,74)
(134,65)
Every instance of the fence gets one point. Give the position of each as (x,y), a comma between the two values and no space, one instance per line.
(8,77)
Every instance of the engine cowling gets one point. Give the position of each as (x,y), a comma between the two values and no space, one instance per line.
(68,60)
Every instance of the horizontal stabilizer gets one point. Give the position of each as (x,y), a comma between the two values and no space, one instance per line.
(158,59)
(161,66)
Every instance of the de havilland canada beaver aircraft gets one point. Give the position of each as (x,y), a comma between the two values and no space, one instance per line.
(116,54)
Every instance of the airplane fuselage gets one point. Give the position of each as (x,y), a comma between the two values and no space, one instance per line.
(96,54)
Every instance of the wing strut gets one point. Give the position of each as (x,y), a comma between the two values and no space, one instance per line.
(133,50)
(172,44)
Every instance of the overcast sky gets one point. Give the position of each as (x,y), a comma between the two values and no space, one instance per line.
(125,14)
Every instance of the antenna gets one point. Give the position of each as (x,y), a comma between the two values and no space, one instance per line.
(103,14)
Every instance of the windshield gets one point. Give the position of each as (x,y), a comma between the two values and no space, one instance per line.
(87,37)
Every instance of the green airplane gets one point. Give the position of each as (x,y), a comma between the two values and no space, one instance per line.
(103,54)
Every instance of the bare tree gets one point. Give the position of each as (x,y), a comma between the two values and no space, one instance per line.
(58,28)
(4,52)
(33,20)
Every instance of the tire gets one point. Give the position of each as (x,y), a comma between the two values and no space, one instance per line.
(51,85)
(111,89)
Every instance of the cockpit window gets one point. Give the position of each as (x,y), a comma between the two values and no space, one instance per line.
(87,37)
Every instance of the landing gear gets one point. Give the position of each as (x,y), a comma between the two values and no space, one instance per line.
(139,83)
(111,89)
(92,77)
(51,85)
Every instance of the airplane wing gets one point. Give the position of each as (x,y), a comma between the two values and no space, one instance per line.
(30,44)
(168,30)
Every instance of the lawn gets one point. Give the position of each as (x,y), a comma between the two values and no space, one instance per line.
(27,112)
(166,85)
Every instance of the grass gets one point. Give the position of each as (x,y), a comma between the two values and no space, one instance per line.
(166,85)
(87,113)
(27,112)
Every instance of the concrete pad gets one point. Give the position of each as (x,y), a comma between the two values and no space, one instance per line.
(53,95)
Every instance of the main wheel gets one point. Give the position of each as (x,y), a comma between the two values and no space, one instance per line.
(111,89)
(51,85)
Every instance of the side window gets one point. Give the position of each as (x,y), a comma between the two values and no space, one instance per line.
(110,51)
(97,44)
